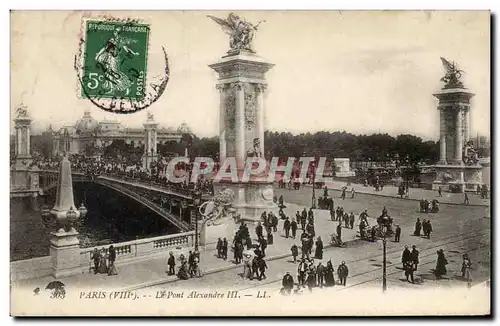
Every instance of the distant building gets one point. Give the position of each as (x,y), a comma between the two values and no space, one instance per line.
(88,132)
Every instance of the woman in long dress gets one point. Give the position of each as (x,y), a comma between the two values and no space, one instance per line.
(319,249)
(440,264)
(111,258)
(103,266)
(329,274)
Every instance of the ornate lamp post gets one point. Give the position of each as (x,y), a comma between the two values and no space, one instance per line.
(384,266)
(313,172)
(196,203)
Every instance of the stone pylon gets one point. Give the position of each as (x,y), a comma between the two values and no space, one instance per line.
(64,244)
(64,198)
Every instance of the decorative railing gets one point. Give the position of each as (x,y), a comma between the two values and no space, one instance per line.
(150,204)
(140,248)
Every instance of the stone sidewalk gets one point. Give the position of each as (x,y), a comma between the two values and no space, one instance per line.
(152,271)
(416,194)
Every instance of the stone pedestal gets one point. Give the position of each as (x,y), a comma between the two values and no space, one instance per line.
(454,115)
(251,200)
(65,253)
(465,178)
(343,168)
(242,87)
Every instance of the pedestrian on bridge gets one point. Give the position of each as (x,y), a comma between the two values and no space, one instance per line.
(286,227)
(294,227)
(343,272)
(418,227)
(397,233)
(466,199)
(171,263)
(219,248)
(224,249)
(351,220)
(295,253)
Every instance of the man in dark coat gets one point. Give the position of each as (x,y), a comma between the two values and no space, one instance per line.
(424,227)
(320,272)
(295,252)
(263,246)
(171,264)
(258,230)
(219,248)
(286,227)
(303,222)
(339,231)
(429,229)
(414,257)
(298,217)
(406,256)
(287,283)
(397,233)
(343,272)
(96,257)
(310,214)
(262,268)
(304,214)
(301,272)
(224,249)
(293,226)
(351,220)
(373,234)
(275,223)
(418,227)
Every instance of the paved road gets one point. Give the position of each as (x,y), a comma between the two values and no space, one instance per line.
(457,229)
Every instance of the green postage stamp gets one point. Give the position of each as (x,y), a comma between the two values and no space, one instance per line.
(115,60)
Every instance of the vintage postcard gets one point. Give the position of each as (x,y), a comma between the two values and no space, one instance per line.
(250,163)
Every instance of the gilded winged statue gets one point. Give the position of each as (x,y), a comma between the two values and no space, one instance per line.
(453,75)
(240,31)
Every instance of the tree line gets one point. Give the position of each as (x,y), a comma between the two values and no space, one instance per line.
(376,147)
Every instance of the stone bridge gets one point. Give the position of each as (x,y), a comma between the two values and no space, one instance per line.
(173,204)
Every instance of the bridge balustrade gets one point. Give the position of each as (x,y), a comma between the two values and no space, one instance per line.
(140,249)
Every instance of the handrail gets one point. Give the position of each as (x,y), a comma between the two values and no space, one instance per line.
(150,204)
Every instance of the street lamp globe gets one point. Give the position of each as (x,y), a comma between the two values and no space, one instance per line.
(71,217)
(83,210)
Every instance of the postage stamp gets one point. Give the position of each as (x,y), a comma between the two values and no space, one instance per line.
(114,65)
(115,61)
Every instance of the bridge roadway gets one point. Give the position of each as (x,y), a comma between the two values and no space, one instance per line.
(129,187)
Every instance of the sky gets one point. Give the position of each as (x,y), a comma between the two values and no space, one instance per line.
(353,71)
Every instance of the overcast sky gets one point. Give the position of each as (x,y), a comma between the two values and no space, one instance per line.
(361,72)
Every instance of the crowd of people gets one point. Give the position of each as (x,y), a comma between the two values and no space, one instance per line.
(311,275)
(104,261)
(126,168)
(188,268)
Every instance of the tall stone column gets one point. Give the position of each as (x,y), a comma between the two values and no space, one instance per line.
(442,138)
(240,125)
(458,136)
(466,124)
(222,126)
(260,115)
